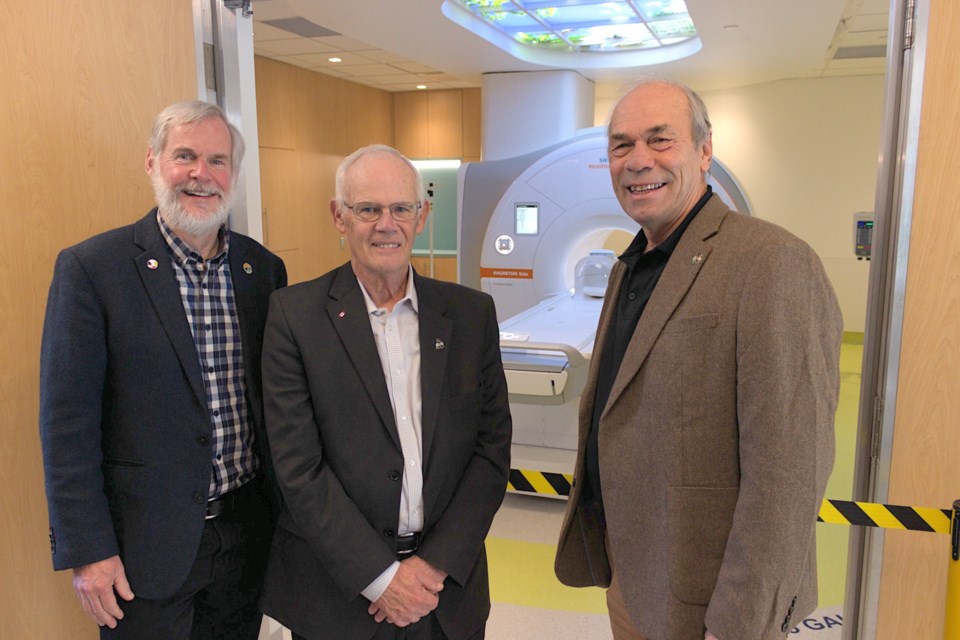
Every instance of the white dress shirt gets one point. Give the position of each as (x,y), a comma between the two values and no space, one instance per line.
(397,334)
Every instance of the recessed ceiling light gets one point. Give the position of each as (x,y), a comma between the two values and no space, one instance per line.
(731,27)
(334,59)
(421,86)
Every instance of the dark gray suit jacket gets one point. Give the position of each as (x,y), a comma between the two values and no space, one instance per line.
(337,453)
(124,420)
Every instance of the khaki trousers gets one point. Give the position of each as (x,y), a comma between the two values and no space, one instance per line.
(620,622)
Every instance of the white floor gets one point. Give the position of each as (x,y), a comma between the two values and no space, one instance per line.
(538,520)
(515,622)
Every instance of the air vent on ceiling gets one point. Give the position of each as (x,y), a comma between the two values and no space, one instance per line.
(301,27)
(869,51)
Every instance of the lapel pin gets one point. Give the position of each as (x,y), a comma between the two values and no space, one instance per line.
(341,314)
(152,264)
(247,268)
(438,345)
(697,259)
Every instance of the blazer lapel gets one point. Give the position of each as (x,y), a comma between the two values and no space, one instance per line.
(242,277)
(436,330)
(603,329)
(246,275)
(158,279)
(691,253)
(348,314)
(251,307)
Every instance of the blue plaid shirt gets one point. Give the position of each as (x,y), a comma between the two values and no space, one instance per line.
(206,290)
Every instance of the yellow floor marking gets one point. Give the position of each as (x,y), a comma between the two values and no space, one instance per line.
(521,573)
(832,541)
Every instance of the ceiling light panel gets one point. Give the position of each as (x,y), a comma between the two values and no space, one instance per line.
(587,25)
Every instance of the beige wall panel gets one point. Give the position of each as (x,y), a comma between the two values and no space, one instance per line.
(293,261)
(411,123)
(438,124)
(321,112)
(276,94)
(81,83)
(321,240)
(445,124)
(444,267)
(369,118)
(472,125)
(329,118)
(279,180)
(926,447)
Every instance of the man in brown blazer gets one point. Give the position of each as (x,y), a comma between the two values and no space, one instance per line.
(706,428)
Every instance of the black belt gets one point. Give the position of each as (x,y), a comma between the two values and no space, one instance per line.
(233,501)
(408,544)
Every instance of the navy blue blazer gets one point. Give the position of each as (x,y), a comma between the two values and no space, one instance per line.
(124,421)
(337,453)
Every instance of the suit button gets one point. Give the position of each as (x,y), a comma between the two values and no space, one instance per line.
(203,440)
(394,475)
(389,533)
(199,498)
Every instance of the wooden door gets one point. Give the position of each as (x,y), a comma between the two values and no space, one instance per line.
(282,219)
(926,440)
(81,83)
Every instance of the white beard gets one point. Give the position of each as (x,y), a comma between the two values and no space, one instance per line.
(178,218)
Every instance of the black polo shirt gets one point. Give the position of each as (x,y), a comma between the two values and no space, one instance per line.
(643,272)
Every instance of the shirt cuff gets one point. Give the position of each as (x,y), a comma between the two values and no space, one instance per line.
(376,588)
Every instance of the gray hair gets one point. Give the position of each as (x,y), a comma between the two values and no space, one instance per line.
(193,112)
(699,118)
(350,160)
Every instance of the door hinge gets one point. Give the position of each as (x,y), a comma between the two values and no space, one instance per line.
(875,428)
(239,4)
(908,20)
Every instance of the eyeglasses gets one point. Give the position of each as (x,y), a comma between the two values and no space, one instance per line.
(371,211)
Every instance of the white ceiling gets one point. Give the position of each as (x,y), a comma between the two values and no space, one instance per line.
(397,44)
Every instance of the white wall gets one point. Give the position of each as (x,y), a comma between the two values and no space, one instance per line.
(805,152)
(529,110)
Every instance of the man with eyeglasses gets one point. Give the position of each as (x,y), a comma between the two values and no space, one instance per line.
(389,424)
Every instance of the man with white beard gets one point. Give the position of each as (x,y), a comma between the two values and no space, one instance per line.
(159,482)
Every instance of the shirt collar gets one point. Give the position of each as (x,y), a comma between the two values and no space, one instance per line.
(410,294)
(639,244)
(182,251)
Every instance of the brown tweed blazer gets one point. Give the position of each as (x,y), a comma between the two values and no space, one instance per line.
(717,439)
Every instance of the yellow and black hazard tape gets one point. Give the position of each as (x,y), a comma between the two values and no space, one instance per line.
(886,516)
(863,514)
(541,482)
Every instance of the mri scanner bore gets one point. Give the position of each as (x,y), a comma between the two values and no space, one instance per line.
(538,232)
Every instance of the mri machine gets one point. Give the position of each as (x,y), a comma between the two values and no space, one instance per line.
(538,233)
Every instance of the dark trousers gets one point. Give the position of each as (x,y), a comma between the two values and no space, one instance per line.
(218,600)
(427,629)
